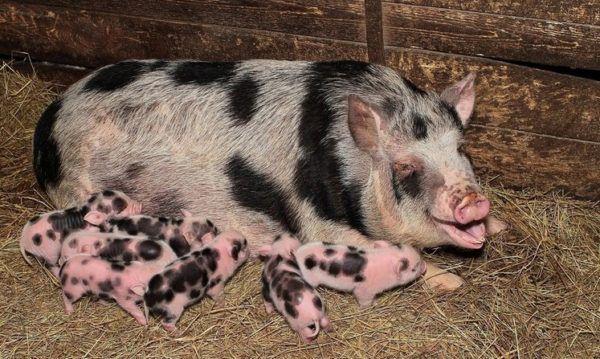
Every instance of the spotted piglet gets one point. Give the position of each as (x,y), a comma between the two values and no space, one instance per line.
(204,272)
(116,247)
(365,273)
(179,233)
(122,281)
(43,235)
(284,289)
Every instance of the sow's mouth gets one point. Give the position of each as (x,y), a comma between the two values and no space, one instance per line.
(470,235)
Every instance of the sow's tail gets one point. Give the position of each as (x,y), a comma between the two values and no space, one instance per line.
(46,159)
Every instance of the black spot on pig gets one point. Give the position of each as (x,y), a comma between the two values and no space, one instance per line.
(191,273)
(419,129)
(73,243)
(403,264)
(292,264)
(155,283)
(359,278)
(323,266)
(106,286)
(242,98)
(68,295)
(125,225)
(37,239)
(177,283)
(194,294)
(63,279)
(108,193)
(390,106)
(353,263)
(259,192)
(46,159)
(334,268)
(412,184)
(329,252)
(51,234)
(317,302)
(85,261)
(104,296)
(213,282)
(289,309)
(454,116)
(34,219)
(157,65)
(318,177)
(92,198)
(414,87)
(114,77)
(69,219)
(202,73)
(116,249)
(149,250)
(310,262)
(85,282)
(119,204)
(211,257)
(179,245)
(148,226)
(117,267)
(74,281)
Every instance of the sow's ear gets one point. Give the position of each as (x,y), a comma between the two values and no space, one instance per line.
(461,96)
(365,123)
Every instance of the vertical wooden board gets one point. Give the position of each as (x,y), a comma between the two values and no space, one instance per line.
(334,19)
(493,36)
(374,24)
(511,96)
(575,11)
(522,160)
(93,39)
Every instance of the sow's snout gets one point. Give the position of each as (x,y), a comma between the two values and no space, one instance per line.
(473,207)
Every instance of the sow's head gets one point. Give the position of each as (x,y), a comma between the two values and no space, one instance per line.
(423,183)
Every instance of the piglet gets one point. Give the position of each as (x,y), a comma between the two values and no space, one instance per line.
(284,289)
(42,236)
(186,281)
(116,247)
(122,281)
(179,233)
(365,273)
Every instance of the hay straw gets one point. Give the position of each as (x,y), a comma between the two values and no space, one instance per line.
(534,291)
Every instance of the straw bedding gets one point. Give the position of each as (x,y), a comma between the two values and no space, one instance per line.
(533,291)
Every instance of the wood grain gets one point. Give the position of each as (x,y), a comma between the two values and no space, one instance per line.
(575,11)
(92,39)
(525,160)
(510,96)
(334,19)
(493,36)
(374,23)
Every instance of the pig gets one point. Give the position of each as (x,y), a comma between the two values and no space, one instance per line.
(284,289)
(341,151)
(43,235)
(179,233)
(122,281)
(114,247)
(187,280)
(364,272)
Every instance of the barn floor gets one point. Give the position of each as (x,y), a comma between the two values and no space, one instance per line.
(534,291)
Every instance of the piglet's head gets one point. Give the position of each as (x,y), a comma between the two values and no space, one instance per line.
(409,265)
(426,181)
(113,203)
(283,244)
(197,230)
(233,245)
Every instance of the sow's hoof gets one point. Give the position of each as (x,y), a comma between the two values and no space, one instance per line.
(445,282)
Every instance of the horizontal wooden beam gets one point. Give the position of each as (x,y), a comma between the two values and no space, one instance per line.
(333,19)
(93,39)
(574,11)
(493,36)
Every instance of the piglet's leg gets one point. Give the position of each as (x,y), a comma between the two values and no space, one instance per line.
(68,304)
(364,297)
(269,307)
(216,292)
(438,279)
(130,307)
(337,233)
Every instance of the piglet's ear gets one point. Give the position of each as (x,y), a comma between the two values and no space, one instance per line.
(186,213)
(94,217)
(461,96)
(365,123)
(208,237)
(138,289)
(264,250)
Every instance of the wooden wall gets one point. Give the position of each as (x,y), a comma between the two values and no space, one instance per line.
(534,126)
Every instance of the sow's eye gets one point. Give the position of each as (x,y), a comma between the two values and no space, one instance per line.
(403,170)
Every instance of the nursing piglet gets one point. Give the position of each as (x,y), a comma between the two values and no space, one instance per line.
(365,273)
(191,277)
(122,281)
(43,235)
(284,289)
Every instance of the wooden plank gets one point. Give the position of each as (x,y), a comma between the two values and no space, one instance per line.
(334,19)
(511,96)
(575,11)
(494,36)
(525,160)
(92,39)
(374,23)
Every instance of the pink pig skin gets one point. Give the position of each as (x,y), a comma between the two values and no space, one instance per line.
(141,248)
(365,273)
(123,282)
(42,236)
(303,308)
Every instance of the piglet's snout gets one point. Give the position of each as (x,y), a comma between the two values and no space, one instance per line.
(473,207)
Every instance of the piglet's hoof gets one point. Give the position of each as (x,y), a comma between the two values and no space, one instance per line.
(444,282)
(493,225)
